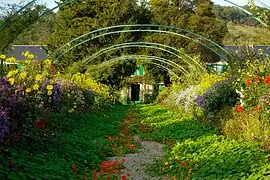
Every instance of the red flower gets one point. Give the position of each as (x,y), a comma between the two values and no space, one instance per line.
(131,147)
(125,130)
(129,138)
(257,79)
(123,178)
(239,108)
(257,108)
(248,82)
(267,80)
(129,174)
(184,163)
(40,124)
(124,160)
(73,166)
(94,174)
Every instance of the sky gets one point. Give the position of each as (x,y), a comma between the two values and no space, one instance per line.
(51,3)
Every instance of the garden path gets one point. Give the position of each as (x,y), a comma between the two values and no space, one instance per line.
(137,163)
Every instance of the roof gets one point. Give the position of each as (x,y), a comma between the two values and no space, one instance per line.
(17,50)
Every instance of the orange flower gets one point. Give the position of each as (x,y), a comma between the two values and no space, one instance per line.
(257,79)
(257,108)
(267,80)
(239,108)
(248,82)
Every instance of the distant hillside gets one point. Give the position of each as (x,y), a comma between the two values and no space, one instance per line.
(246,35)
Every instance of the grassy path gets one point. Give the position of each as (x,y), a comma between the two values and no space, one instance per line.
(197,151)
(194,151)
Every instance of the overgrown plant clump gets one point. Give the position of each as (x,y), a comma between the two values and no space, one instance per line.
(28,97)
(220,95)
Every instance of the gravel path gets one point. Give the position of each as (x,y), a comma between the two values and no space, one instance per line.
(136,163)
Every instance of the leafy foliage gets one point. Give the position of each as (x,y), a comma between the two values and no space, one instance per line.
(197,151)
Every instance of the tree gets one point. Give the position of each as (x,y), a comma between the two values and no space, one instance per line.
(205,22)
(13,24)
(38,32)
(76,19)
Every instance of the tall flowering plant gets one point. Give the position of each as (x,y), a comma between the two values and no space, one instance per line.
(254,85)
(26,93)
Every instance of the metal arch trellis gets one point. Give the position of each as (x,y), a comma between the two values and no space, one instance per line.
(142,30)
(165,68)
(130,58)
(144,44)
(155,58)
(126,31)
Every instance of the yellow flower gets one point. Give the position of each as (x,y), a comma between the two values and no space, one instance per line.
(68,95)
(39,92)
(2,56)
(45,73)
(30,56)
(26,53)
(10,73)
(11,59)
(74,107)
(51,81)
(28,90)
(166,163)
(47,62)
(49,93)
(23,75)
(27,61)
(35,87)
(11,81)
(38,77)
(50,87)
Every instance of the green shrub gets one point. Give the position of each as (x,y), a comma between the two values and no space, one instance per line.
(246,126)
(149,98)
(220,95)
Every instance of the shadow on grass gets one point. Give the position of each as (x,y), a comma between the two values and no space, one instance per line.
(172,125)
(81,144)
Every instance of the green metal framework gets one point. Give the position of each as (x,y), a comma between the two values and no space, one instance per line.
(158,46)
(138,30)
(144,57)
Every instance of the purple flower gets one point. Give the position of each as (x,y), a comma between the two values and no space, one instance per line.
(4,124)
(57,92)
(200,101)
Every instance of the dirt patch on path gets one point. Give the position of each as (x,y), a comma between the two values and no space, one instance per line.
(137,163)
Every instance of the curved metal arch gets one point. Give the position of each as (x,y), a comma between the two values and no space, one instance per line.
(159,65)
(166,61)
(165,68)
(139,30)
(142,44)
(140,25)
